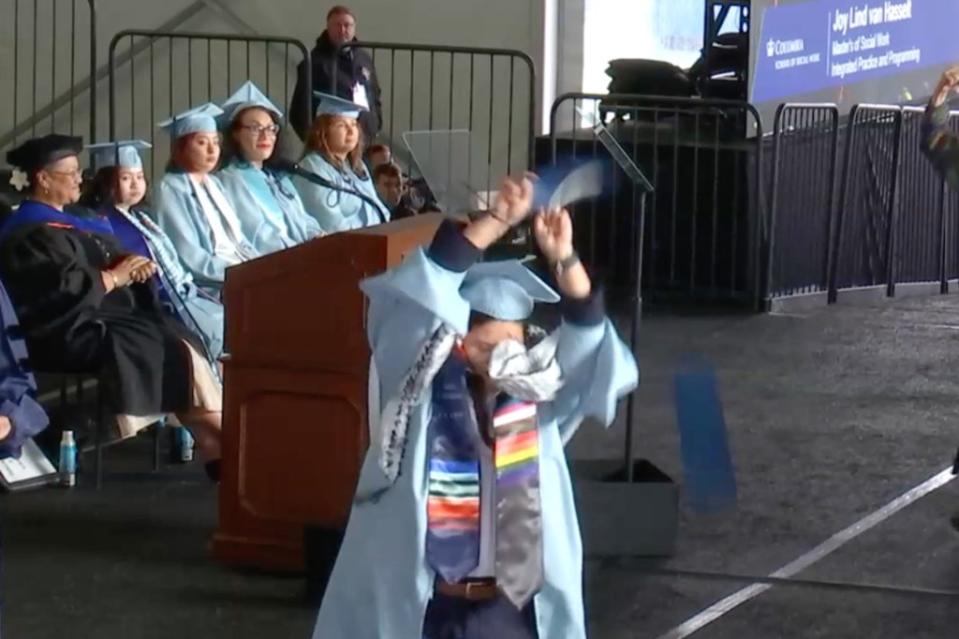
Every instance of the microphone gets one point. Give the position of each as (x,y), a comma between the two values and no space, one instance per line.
(287,166)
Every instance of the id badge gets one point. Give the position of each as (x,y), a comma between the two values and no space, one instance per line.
(359,95)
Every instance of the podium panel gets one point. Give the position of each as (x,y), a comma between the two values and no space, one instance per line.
(295,399)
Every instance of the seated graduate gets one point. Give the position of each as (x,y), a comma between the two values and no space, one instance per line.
(117,193)
(334,153)
(21,417)
(269,207)
(463,522)
(191,206)
(83,306)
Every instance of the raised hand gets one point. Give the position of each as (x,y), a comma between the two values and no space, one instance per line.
(513,204)
(514,201)
(947,84)
(553,229)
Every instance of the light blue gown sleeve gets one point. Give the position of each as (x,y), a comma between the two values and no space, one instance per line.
(598,369)
(174,270)
(368,188)
(333,211)
(263,235)
(407,305)
(303,226)
(178,215)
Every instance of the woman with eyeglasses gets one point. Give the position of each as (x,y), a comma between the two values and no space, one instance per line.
(84,307)
(270,210)
(191,205)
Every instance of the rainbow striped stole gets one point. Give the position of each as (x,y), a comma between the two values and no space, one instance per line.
(453,492)
(517,442)
(454,496)
(519,524)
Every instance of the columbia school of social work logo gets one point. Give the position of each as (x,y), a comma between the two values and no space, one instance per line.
(784,47)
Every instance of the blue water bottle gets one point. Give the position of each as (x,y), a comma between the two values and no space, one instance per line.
(68,459)
(185,444)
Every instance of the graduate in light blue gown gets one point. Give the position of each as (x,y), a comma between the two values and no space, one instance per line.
(334,153)
(270,210)
(191,205)
(463,524)
(119,187)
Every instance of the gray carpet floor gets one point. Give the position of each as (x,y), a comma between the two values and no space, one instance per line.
(831,414)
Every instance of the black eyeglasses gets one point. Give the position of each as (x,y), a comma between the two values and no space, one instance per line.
(258,130)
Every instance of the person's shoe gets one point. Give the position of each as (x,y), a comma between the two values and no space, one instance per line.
(955,522)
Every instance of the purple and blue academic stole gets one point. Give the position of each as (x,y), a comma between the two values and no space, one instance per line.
(453,533)
(132,240)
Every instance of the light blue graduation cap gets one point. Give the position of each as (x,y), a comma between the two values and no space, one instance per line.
(335,105)
(247,97)
(124,154)
(201,119)
(505,290)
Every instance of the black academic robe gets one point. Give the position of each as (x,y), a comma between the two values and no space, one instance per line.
(71,324)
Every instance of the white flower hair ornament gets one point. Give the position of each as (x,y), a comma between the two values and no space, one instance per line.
(19,179)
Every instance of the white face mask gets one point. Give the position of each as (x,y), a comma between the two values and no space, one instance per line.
(529,374)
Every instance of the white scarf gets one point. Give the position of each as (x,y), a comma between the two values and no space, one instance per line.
(228,242)
(532,375)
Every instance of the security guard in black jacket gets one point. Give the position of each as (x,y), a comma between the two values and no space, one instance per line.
(351,69)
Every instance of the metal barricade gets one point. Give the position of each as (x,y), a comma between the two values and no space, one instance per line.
(802,208)
(921,235)
(704,229)
(155,75)
(48,53)
(489,92)
(865,238)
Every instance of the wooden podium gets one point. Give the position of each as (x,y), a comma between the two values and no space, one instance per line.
(295,400)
